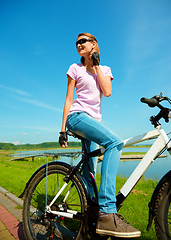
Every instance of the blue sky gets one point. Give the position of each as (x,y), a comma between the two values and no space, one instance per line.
(37,46)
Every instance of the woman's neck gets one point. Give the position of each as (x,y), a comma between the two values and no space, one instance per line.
(90,69)
(88,64)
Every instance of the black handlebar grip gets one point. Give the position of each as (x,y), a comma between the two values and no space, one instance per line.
(152,102)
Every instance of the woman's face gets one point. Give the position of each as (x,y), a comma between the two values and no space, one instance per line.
(85,47)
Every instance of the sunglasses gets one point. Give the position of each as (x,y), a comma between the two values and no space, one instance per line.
(82,41)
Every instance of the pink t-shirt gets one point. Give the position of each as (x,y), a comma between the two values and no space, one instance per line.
(89,94)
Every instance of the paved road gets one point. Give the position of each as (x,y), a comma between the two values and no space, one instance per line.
(10,216)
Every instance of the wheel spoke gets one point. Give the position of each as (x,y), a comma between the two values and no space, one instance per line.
(37,223)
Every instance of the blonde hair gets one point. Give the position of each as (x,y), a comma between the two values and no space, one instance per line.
(90,36)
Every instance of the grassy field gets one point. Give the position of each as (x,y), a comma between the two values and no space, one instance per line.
(15,174)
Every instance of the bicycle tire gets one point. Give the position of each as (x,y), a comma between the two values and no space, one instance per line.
(35,223)
(162,219)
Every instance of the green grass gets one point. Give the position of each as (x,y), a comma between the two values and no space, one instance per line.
(135,207)
(133,153)
(15,174)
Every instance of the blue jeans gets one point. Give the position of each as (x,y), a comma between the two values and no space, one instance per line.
(95,132)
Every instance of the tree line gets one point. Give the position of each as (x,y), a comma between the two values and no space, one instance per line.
(28,146)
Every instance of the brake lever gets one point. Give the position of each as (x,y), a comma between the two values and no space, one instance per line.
(164,98)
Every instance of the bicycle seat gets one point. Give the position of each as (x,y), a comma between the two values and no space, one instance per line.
(70,133)
(95,153)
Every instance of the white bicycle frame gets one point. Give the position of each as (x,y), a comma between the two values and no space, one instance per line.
(161,142)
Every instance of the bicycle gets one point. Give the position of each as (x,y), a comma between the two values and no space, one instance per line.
(57,203)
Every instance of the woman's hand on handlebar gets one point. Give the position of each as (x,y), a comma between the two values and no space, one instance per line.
(63,139)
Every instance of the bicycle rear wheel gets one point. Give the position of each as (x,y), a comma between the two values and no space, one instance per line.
(40,225)
(162,210)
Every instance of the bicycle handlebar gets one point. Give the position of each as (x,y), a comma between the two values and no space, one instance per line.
(154,102)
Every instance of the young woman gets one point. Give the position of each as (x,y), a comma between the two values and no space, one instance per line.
(83,117)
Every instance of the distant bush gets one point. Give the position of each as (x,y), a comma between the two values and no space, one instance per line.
(7,146)
(28,146)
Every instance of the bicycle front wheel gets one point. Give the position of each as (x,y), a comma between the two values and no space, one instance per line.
(38,224)
(162,210)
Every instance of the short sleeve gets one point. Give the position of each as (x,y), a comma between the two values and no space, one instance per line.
(72,72)
(107,71)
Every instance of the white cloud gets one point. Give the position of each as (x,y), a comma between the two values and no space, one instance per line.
(16,143)
(24,134)
(37,133)
(29,127)
(39,104)
(31,101)
(20,92)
